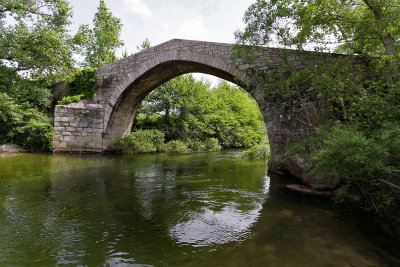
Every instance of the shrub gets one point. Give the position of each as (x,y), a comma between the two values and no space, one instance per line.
(141,141)
(70,99)
(175,146)
(260,151)
(25,126)
(195,145)
(83,82)
(211,144)
(350,153)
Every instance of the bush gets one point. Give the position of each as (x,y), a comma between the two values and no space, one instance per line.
(70,99)
(24,126)
(141,141)
(371,162)
(211,144)
(260,151)
(350,153)
(83,82)
(175,146)
(195,145)
(82,85)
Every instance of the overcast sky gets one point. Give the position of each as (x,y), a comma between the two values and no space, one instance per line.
(163,20)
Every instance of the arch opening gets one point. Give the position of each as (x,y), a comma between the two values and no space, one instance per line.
(127,104)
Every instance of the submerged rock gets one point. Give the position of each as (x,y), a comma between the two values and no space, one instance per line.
(11,148)
(352,197)
(308,190)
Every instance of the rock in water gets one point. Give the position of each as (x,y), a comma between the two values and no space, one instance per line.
(11,148)
(300,167)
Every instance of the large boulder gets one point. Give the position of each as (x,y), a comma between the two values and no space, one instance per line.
(297,166)
(324,179)
(11,148)
(300,167)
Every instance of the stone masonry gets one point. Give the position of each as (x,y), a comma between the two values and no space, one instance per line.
(93,126)
(79,127)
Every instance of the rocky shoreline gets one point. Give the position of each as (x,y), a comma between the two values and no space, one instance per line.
(325,183)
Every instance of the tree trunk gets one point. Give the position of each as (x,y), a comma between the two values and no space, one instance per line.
(387,39)
(167,121)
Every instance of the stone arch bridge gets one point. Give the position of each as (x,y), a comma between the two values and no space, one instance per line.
(93,125)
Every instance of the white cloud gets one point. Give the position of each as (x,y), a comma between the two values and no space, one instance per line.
(193,29)
(138,7)
(165,26)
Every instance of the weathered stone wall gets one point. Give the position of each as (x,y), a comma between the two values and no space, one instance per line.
(124,84)
(79,128)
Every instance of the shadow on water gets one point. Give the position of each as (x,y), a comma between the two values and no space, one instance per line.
(203,209)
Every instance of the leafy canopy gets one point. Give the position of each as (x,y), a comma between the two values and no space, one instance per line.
(190,110)
(369,27)
(101,42)
(34,37)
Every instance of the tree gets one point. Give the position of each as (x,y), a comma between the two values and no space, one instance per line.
(366,27)
(34,37)
(354,115)
(35,51)
(101,42)
(190,110)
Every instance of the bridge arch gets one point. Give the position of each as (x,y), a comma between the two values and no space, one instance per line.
(93,125)
(133,86)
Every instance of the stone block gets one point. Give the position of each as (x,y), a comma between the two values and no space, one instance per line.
(62,119)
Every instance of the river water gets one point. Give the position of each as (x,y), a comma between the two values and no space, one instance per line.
(203,209)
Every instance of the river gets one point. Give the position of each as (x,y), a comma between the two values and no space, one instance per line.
(202,209)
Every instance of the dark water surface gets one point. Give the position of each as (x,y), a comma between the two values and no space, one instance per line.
(204,209)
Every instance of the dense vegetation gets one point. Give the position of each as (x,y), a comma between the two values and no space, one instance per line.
(357,121)
(37,51)
(195,117)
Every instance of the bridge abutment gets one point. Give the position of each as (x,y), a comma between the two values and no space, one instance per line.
(79,128)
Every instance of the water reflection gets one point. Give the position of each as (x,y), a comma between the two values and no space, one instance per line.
(204,209)
(232,223)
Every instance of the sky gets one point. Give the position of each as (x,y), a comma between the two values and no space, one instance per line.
(163,20)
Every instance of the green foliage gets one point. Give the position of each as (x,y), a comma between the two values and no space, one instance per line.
(145,45)
(70,99)
(175,146)
(36,50)
(83,82)
(211,144)
(82,85)
(35,36)
(102,41)
(141,141)
(150,141)
(362,27)
(25,91)
(260,151)
(25,126)
(190,110)
(352,154)
(355,116)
